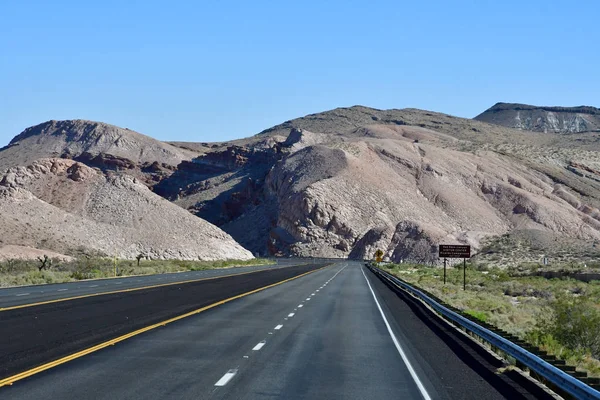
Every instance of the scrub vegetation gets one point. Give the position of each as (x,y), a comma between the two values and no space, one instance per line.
(28,272)
(560,315)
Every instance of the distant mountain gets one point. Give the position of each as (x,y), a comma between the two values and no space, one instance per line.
(348,181)
(88,139)
(543,119)
(342,183)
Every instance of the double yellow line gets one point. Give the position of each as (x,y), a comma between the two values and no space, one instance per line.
(11,379)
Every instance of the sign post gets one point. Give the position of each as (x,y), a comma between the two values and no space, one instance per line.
(464,274)
(444,271)
(455,251)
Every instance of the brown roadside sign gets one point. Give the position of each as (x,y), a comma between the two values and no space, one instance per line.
(454,251)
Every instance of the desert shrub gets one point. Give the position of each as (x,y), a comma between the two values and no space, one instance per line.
(518,289)
(84,269)
(480,315)
(574,322)
(16,265)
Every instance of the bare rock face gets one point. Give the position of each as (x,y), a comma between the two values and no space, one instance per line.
(12,252)
(405,198)
(92,142)
(65,206)
(300,138)
(543,119)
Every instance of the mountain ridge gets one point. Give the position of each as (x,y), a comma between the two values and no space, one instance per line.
(501,106)
(347,181)
(543,118)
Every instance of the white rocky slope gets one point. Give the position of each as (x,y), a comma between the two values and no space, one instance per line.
(72,138)
(543,119)
(402,190)
(65,206)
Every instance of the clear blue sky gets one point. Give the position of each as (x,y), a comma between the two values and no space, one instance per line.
(217,70)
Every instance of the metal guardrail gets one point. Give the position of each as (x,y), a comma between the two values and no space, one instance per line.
(561,379)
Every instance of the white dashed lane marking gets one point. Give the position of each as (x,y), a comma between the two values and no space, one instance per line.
(232,372)
(23,294)
(259,346)
(226,378)
(61,290)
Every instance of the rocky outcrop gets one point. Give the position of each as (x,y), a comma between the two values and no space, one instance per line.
(67,207)
(404,197)
(543,119)
(99,143)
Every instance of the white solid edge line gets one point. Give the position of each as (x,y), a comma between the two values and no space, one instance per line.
(398,347)
(259,346)
(278,327)
(226,378)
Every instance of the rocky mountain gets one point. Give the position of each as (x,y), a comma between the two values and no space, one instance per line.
(96,144)
(351,180)
(68,207)
(543,119)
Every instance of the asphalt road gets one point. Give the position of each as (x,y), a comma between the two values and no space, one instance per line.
(34,335)
(15,296)
(321,336)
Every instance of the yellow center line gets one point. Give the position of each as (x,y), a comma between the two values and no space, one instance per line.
(25,374)
(133,289)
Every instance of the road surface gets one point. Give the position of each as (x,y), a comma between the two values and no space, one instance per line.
(335,333)
(14,296)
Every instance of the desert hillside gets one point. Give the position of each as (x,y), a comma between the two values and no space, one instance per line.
(543,119)
(68,207)
(350,180)
(94,143)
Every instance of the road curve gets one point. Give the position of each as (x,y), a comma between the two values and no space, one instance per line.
(337,333)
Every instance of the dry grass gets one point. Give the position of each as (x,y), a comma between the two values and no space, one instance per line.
(505,298)
(21,272)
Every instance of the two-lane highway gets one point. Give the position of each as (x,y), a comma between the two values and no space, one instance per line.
(335,333)
(14,296)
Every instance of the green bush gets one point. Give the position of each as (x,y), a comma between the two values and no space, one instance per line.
(575,323)
(480,315)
